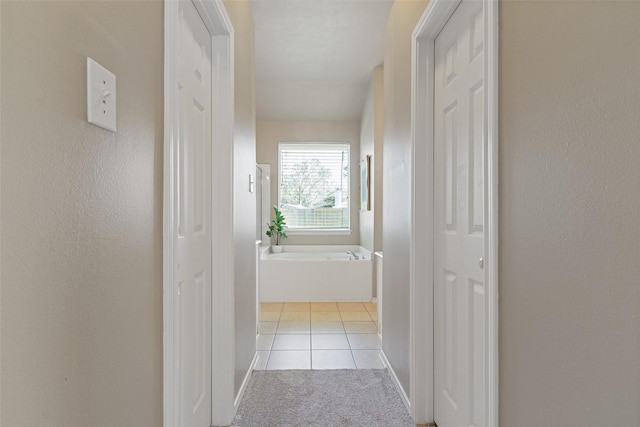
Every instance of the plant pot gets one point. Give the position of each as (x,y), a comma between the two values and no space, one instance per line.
(276,249)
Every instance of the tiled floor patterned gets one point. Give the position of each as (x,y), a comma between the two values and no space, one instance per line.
(318,336)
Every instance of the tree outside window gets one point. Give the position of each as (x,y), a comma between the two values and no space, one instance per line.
(314,184)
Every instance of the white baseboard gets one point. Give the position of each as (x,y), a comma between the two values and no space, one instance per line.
(245,382)
(401,392)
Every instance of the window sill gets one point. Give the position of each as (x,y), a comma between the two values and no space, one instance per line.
(318,231)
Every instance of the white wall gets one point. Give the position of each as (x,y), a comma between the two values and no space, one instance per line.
(371,143)
(367,149)
(397,184)
(569,210)
(271,133)
(81,217)
(378,157)
(244,207)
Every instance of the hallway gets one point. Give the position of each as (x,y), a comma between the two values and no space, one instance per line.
(83,299)
(322,398)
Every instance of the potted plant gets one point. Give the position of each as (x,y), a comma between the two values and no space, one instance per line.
(276,230)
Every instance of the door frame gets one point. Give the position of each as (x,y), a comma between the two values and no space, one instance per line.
(433,20)
(216,19)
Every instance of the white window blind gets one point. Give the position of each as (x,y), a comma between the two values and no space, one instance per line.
(314,185)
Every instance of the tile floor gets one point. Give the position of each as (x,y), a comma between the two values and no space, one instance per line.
(318,336)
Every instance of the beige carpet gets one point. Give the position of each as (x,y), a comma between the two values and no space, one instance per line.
(332,398)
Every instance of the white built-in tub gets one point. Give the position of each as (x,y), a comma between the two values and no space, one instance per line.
(316,274)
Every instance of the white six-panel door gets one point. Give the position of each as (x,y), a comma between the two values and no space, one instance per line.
(192,166)
(459,145)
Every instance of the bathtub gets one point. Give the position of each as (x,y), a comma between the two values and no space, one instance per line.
(315,273)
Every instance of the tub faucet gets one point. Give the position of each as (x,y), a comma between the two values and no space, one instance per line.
(352,255)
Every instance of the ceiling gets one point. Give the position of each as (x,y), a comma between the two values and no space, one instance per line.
(315,58)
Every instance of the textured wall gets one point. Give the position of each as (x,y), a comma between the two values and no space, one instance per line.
(569,209)
(244,163)
(396,218)
(271,133)
(81,217)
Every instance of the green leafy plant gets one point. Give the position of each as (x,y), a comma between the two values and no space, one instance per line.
(276,228)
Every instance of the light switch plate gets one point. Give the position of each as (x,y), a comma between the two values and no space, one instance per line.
(101,96)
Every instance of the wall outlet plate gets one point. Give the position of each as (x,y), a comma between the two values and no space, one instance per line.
(101,96)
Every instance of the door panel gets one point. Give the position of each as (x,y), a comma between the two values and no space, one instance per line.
(192,157)
(459,144)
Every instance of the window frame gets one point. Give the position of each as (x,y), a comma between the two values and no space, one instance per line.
(335,231)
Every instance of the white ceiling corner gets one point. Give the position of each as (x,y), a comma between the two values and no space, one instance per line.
(315,58)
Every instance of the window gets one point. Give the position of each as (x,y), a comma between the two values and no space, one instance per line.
(314,185)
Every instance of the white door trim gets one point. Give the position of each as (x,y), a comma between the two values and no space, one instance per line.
(219,25)
(0,207)
(433,20)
